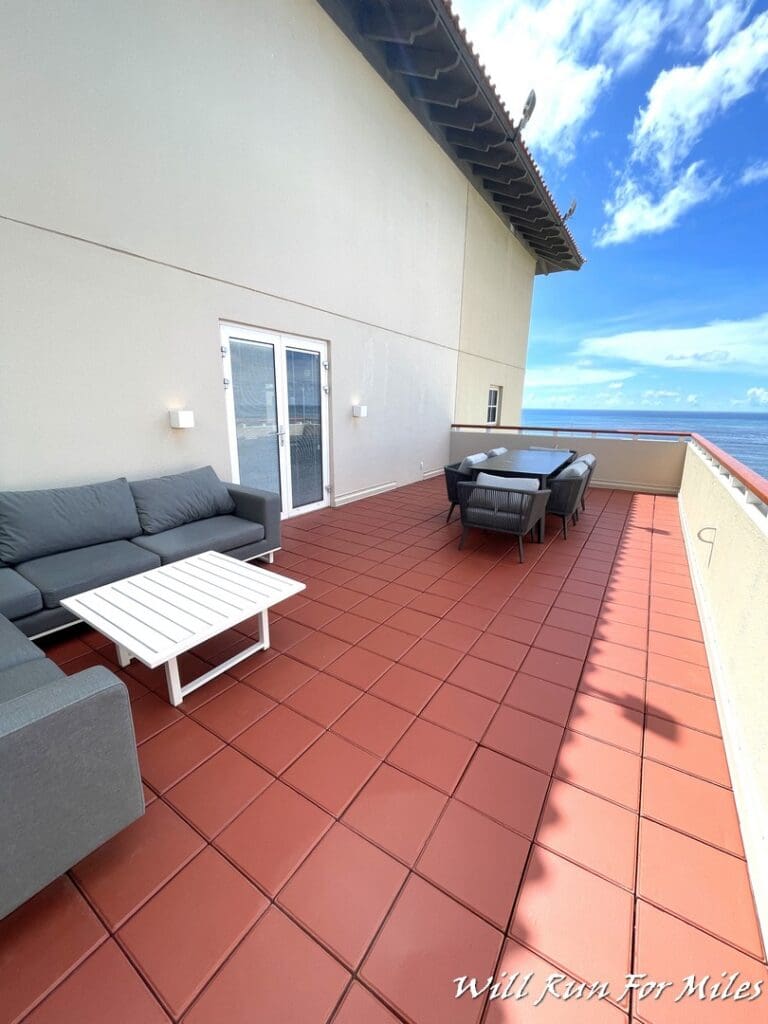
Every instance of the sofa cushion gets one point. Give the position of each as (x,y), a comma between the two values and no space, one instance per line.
(72,572)
(17,596)
(38,523)
(221,533)
(27,677)
(469,461)
(165,502)
(15,648)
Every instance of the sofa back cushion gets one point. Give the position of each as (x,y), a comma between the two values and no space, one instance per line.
(165,502)
(38,523)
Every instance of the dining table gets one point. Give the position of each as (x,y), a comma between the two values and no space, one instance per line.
(528,462)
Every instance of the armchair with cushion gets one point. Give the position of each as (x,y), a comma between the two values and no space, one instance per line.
(456,472)
(508,505)
(567,491)
(590,461)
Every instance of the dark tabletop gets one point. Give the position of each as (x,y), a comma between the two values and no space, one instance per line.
(525,462)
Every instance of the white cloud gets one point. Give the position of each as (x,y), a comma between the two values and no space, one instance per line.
(692,399)
(565,377)
(634,212)
(616,385)
(757,396)
(725,20)
(755,173)
(685,100)
(726,345)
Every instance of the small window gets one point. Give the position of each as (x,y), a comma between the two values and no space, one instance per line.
(494,406)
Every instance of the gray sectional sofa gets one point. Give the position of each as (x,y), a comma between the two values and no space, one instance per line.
(69,774)
(59,542)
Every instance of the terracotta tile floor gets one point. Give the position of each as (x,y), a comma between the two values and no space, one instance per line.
(448,764)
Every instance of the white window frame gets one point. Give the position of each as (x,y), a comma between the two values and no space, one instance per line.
(493,406)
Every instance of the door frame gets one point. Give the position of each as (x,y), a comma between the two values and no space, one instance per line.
(280,342)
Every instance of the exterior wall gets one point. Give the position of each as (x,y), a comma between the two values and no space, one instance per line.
(727,542)
(176,164)
(495,316)
(623,463)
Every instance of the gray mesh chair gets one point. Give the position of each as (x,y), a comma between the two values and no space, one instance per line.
(590,461)
(566,493)
(452,479)
(502,509)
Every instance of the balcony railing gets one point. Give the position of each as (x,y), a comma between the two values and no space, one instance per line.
(723,507)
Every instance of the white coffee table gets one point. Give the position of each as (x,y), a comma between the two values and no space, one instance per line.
(158,615)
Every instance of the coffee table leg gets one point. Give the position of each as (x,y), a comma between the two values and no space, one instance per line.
(123,655)
(174,683)
(264,629)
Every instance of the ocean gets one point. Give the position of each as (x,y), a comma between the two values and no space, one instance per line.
(743,435)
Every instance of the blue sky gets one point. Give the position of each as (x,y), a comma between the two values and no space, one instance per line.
(654,117)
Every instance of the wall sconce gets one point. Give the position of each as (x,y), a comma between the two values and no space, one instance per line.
(360,411)
(181,419)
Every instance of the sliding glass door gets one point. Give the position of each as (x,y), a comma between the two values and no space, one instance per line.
(277,411)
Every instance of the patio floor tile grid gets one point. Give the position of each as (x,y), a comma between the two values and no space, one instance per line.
(447,765)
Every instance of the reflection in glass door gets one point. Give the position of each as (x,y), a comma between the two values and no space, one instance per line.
(277,412)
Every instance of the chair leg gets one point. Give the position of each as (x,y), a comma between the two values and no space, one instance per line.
(464,532)
(520,547)
(583,505)
(450,512)
(565,527)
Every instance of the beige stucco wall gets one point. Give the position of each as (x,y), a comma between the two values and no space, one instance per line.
(249,165)
(652,466)
(727,542)
(495,316)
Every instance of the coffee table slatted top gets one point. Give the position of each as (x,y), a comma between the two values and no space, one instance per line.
(161,613)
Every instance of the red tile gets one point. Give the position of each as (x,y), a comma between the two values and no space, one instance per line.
(61,650)
(349,627)
(682,674)
(625,634)
(554,668)
(470,615)
(277,739)
(332,772)
(233,711)
(599,681)
(688,709)
(284,633)
(460,711)
(513,627)
(414,622)
(577,622)
(311,614)
(432,754)
(667,948)
(691,805)
(431,604)
(280,677)
(105,987)
(341,598)
(604,720)
(215,793)
(451,942)
(577,920)
(500,651)
(675,625)
(129,868)
(602,769)
(323,699)
(318,650)
(540,698)
(396,812)
(562,641)
(708,888)
(373,724)
(525,738)
(343,891)
(187,930)
(618,656)
(455,635)
(359,1005)
(406,687)
(273,835)
(41,943)
(686,749)
(476,861)
(505,790)
(376,610)
(168,757)
(482,677)
(518,961)
(259,982)
(388,642)
(591,831)
(151,715)
(359,667)
(434,659)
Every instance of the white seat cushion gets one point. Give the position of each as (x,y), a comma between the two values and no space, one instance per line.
(511,483)
(470,461)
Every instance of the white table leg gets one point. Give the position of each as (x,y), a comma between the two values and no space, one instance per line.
(123,655)
(264,629)
(174,683)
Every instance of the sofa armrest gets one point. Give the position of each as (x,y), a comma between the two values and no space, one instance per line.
(69,778)
(260,507)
